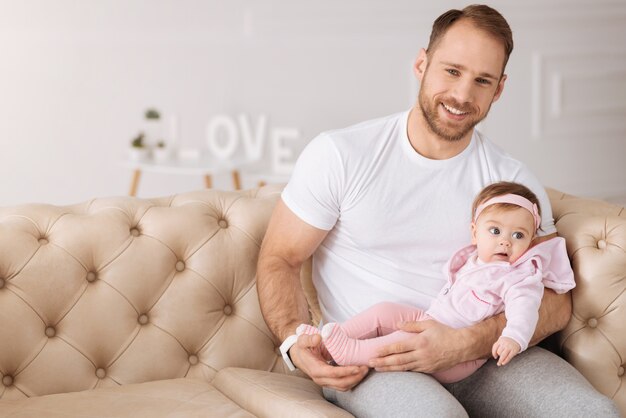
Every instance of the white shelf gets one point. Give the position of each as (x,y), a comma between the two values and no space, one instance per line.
(200,166)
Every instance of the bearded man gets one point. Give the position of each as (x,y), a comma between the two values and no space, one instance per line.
(381,206)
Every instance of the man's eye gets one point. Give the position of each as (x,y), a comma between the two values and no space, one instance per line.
(518,235)
(494,231)
(483,81)
(453,71)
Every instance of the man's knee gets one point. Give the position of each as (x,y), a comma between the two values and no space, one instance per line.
(399,394)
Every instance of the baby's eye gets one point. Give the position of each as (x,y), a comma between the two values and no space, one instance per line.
(494,231)
(518,235)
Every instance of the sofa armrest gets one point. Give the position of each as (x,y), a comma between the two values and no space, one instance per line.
(594,341)
(275,395)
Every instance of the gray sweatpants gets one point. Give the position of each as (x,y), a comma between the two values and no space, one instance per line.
(536,383)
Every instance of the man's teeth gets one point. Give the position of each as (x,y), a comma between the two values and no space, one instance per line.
(453,110)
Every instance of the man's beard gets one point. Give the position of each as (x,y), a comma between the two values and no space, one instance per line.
(431,116)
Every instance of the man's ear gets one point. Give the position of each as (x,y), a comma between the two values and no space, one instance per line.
(473,228)
(499,89)
(421,62)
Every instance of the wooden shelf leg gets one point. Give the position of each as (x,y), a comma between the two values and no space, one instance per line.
(134,184)
(208,182)
(236,180)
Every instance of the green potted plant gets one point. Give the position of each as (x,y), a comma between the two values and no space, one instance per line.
(138,150)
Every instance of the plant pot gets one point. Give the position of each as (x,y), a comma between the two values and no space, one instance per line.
(138,154)
(162,155)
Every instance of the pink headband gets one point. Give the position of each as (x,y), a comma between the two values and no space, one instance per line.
(515,200)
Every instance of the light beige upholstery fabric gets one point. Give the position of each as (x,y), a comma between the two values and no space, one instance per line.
(172,398)
(125,290)
(272,395)
(595,339)
(98,297)
(148,307)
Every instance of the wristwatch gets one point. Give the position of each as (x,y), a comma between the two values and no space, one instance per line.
(284,350)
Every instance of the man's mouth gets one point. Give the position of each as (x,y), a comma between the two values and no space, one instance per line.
(454,110)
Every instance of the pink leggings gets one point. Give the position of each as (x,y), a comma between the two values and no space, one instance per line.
(376,328)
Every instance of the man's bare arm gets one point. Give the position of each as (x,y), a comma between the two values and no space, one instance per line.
(287,243)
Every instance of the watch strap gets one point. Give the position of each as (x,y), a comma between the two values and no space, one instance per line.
(284,350)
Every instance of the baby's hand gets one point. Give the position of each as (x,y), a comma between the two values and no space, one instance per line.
(505,349)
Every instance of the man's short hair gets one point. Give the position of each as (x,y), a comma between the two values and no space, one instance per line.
(481,16)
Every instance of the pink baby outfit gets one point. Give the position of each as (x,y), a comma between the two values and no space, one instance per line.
(474,292)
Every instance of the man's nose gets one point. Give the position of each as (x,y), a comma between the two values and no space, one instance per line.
(463,90)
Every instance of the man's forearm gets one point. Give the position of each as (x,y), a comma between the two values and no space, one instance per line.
(281,297)
(479,338)
(554,313)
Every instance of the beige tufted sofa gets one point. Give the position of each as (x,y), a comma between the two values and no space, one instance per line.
(127,307)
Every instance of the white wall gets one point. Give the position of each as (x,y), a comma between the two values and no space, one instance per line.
(76,77)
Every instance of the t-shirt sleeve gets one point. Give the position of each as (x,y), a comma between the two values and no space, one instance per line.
(314,189)
(525,177)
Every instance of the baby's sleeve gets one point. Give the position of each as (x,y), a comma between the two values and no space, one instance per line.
(521,307)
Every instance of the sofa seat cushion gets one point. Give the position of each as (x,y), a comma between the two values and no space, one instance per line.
(164,398)
(274,395)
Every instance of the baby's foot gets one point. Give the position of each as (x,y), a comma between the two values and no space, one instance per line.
(340,346)
(306,329)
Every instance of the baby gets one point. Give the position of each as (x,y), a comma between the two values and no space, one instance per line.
(500,271)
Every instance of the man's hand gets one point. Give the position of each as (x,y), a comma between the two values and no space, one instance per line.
(306,354)
(505,349)
(434,347)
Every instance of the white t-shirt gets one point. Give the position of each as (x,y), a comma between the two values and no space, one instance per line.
(394,216)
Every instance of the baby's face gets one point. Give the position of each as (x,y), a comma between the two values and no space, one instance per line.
(503,234)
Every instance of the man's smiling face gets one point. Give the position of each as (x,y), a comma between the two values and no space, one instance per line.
(462,78)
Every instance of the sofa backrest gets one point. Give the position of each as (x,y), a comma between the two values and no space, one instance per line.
(594,341)
(125,290)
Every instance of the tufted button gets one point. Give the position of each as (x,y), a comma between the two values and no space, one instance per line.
(223,223)
(2,283)
(50,332)
(100,373)
(7,380)
(602,244)
(143,319)
(193,359)
(91,277)
(134,232)
(620,371)
(180,265)
(43,241)
(593,322)
(228,310)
